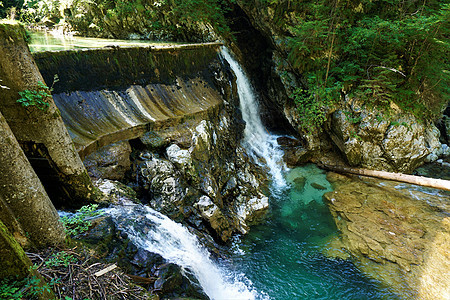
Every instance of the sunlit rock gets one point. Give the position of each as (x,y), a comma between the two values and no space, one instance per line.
(398,233)
(215,217)
(160,178)
(115,191)
(370,139)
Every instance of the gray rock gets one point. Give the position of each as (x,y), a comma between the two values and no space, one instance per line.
(115,191)
(109,162)
(163,182)
(368,139)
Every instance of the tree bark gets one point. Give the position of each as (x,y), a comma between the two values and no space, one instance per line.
(25,198)
(34,127)
(16,264)
(417,180)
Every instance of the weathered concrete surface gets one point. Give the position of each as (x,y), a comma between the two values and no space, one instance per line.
(113,94)
(398,233)
(120,67)
(98,118)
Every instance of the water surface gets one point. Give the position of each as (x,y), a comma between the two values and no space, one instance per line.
(283,257)
(47,41)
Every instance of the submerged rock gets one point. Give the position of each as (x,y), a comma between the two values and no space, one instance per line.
(398,233)
(299,183)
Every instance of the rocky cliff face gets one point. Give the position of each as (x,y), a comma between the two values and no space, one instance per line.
(365,137)
(398,233)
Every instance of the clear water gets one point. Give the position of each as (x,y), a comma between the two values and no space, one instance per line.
(51,41)
(283,257)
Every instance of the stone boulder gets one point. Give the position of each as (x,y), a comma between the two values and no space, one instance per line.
(398,233)
(214,216)
(212,182)
(161,180)
(109,162)
(370,139)
(115,191)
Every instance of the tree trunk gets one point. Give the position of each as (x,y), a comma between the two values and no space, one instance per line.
(25,198)
(417,180)
(37,128)
(16,264)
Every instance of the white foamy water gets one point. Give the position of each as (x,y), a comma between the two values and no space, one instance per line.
(257,140)
(157,233)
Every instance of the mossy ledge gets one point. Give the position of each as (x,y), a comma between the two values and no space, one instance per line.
(119,67)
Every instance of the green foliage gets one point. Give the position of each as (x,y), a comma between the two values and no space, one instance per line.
(61,258)
(312,108)
(11,289)
(76,224)
(380,51)
(351,118)
(37,98)
(6,6)
(28,288)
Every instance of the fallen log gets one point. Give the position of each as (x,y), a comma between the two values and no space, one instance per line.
(417,180)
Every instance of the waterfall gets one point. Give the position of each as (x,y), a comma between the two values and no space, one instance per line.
(157,233)
(257,140)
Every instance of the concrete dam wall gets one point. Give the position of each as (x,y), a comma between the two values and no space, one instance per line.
(112,94)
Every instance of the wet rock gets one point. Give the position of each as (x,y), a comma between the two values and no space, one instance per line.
(318,186)
(169,278)
(288,142)
(212,214)
(109,162)
(160,178)
(251,210)
(299,183)
(296,156)
(153,140)
(397,232)
(115,191)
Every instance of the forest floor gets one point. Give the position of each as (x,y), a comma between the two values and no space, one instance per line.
(76,273)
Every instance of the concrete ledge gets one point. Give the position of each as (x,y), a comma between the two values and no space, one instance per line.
(120,67)
(108,94)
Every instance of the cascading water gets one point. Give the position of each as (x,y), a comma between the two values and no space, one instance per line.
(257,140)
(157,233)
(283,256)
